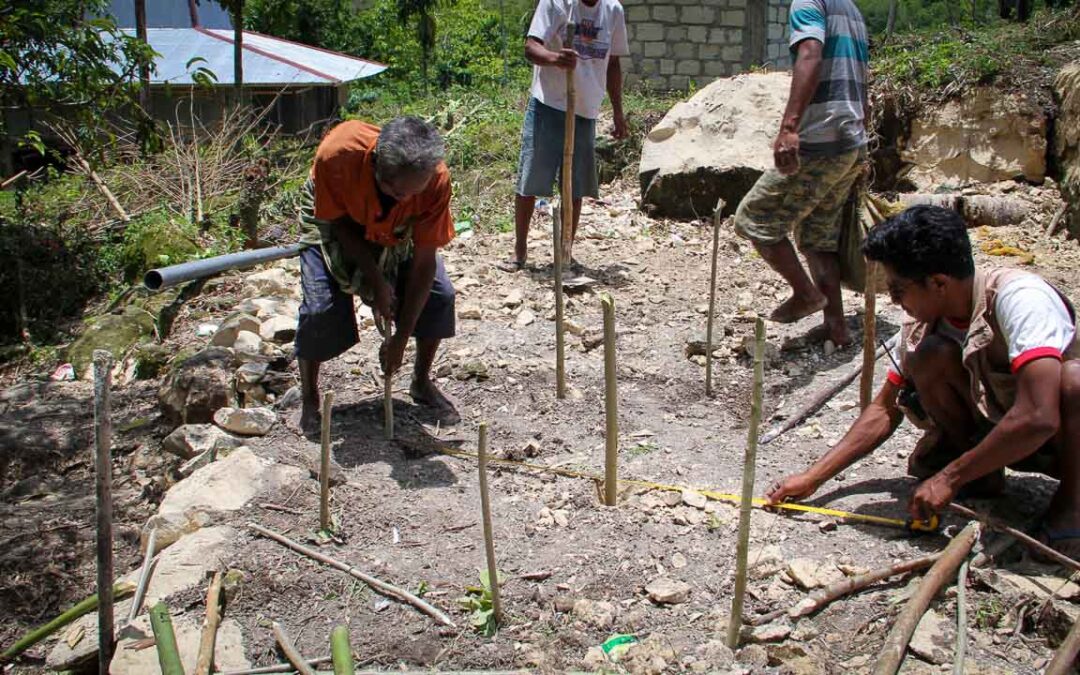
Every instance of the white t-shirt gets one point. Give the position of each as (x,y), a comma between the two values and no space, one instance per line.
(1033,320)
(600,35)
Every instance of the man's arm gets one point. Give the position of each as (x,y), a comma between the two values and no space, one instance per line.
(539,55)
(804,81)
(872,428)
(348,234)
(1034,418)
(614,90)
(417,290)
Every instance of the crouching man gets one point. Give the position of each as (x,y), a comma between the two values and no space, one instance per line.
(375,211)
(986,366)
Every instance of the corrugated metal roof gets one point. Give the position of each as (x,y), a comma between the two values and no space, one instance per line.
(170,14)
(267,60)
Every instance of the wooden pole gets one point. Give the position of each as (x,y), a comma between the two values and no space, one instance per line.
(892,655)
(103,362)
(205,662)
(144,69)
(961,619)
(866,385)
(144,576)
(712,297)
(341,651)
(567,187)
(165,638)
(388,405)
(1065,656)
(746,504)
(489,535)
(324,466)
(611,404)
(289,649)
(560,323)
(1026,540)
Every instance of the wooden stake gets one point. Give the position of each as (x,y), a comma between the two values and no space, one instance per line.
(1065,656)
(712,297)
(961,619)
(278,668)
(567,187)
(489,535)
(389,590)
(290,651)
(388,405)
(324,466)
(560,324)
(611,404)
(1030,542)
(749,463)
(205,662)
(165,637)
(144,576)
(103,362)
(866,386)
(120,591)
(892,655)
(341,651)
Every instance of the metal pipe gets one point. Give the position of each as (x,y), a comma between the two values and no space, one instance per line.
(156,280)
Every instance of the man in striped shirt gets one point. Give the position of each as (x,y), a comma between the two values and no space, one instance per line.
(818,155)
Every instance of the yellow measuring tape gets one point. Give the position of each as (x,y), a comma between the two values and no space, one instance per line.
(930,525)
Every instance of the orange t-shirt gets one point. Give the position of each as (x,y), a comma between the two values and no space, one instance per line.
(344,177)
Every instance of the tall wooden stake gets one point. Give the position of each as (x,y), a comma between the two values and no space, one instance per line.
(567,188)
(866,385)
(324,465)
(749,465)
(489,535)
(560,327)
(103,362)
(611,404)
(204,663)
(712,297)
(388,405)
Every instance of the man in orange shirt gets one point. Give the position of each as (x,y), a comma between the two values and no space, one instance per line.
(375,211)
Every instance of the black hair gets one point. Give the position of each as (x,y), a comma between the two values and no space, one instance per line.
(921,241)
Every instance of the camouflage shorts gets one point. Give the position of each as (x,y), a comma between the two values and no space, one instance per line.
(807,202)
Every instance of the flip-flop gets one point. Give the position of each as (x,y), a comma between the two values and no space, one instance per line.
(511,266)
(790,317)
(1065,542)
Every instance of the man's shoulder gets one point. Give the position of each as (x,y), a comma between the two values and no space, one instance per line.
(348,136)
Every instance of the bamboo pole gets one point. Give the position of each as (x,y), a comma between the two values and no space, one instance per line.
(735,622)
(341,651)
(560,304)
(36,635)
(866,385)
(290,651)
(388,405)
(489,534)
(103,362)
(892,655)
(144,576)
(324,466)
(1030,542)
(165,637)
(205,662)
(389,590)
(611,404)
(961,619)
(1065,656)
(712,297)
(567,186)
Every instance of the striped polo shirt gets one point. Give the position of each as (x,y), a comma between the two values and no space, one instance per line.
(834,123)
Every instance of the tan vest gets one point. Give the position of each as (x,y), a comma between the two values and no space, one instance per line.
(985,352)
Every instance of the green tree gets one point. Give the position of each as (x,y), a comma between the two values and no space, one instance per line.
(423,13)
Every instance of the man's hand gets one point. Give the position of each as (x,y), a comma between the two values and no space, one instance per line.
(932,496)
(564,58)
(796,486)
(621,130)
(385,301)
(786,152)
(392,353)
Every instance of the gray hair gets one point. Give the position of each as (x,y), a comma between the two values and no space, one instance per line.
(408,146)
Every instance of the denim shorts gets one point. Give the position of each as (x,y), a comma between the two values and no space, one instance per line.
(540,164)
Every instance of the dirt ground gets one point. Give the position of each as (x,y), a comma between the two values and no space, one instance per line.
(410,515)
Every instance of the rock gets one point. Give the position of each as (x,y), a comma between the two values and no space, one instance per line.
(132,659)
(278,329)
(472,370)
(150,360)
(933,639)
(561,517)
(471,313)
(1033,583)
(260,308)
(230,328)
(595,660)
(190,440)
(649,657)
(275,282)
(312,461)
(986,136)
(513,298)
(772,352)
(754,656)
(667,591)
(592,338)
(713,656)
(564,603)
(596,613)
(115,333)
(771,632)
(694,499)
(246,421)
(678,561)
(250,374)
(714,146)
(247,344)
(573,327)
(795,659)
(198,387)
(524,318)
(764,561)
(804,572)
(698,345)
(671,498)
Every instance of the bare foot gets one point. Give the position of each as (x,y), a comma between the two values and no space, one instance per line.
(512,265)
(424,392)
(306,421)
(798,307)
(838,332)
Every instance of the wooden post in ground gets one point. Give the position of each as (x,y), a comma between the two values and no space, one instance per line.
(103,363)
(866,385)
(747,486)
(324,461)
(205,661)
(712,297)
(560,304)
(611,404)
(288,648)
(566,192)
(489,535)
(388,405)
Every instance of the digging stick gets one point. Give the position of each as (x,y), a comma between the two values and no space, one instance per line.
(120,591)
(567,186)
(712,297)
(290,651)
(278,668)
(560,326)
(144,576)
(735,622)
(388,405)
(103,362)
(822,397)
(892,655)
(1065,656)
(205,662)
(961,619)
(389,590)
(866,385)
(1024,539)
(489,535)
(324,466)
(165,637)
(611,404)
(341,651)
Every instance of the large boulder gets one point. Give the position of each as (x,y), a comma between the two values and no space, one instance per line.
(190,440)
(198,387)
(115,333)
(713,146)
(1067,141)
(987,136)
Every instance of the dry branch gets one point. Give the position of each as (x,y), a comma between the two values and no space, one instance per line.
(290,651)
(324,462)
(712,297)
(611,404)
(1033,544)
(205,661)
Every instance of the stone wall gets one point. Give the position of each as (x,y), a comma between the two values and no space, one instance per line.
(676,43)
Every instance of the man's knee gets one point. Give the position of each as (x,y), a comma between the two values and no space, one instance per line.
(1070,386)
(934,360)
